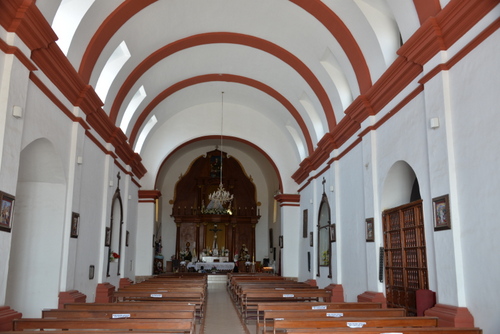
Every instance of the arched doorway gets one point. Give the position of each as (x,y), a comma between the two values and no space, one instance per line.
(37,231)
(405,256)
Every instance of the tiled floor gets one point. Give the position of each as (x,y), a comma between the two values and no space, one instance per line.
(221,316)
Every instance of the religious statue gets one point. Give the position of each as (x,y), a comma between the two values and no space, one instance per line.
(187,256)
(244,255)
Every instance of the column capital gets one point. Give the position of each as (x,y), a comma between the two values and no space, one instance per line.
(149,194)
(288,199)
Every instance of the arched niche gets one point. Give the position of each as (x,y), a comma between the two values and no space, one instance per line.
(324,236)
(114,232)
(400,186)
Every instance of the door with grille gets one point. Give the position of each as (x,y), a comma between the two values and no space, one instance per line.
(405,255)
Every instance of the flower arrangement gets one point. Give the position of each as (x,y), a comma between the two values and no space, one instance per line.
(183,254)
(113,256)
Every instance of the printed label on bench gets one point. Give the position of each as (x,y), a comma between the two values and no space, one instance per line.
(319,307)
(356,324)
(335,315)
(119,316)
(279,288)
(278,319)
(156,295)
(288,295)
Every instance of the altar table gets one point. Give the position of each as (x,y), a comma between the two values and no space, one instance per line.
(213,258)
(223,266)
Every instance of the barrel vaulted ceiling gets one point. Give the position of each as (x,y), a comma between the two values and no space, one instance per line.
(289,69)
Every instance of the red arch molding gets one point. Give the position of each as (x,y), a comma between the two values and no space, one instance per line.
(227,78)
(264,154)
(231,38)
(316,8)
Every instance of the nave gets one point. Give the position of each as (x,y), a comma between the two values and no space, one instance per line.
(221,315)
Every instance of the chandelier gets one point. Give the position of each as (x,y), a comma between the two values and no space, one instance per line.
(221,196)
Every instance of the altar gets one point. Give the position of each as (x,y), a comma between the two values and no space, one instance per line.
(210,259)
(220,266)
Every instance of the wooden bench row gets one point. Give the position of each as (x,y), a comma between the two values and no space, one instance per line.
(276,315)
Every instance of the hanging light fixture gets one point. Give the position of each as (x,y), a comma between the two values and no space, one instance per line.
(221,196)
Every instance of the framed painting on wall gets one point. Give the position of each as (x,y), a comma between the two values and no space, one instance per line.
(75,222)
(107,239)
(6,211)
(441,206)
(370,232)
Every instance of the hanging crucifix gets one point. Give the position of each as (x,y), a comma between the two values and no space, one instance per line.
(215,244)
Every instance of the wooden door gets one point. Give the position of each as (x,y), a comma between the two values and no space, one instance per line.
(405,255)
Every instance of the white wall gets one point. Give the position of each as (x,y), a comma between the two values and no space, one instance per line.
(475,118)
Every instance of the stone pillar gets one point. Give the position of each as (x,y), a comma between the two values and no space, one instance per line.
(289,240)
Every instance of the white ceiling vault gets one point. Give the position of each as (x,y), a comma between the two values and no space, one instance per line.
(288,69)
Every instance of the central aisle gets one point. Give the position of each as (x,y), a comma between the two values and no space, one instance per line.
(221,316)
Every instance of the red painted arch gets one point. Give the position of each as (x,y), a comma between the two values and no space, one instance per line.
(105,31)
(314,7)
(343,35)
(227,78)
(230,38)
(264,154)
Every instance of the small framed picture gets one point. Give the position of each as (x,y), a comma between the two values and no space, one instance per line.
(75,223)
(127,236)
(91,271)
(441,206)
(107,240)
(304,223)
(6,211)
(311,239)
(280,241)
(333,233)
(370,232)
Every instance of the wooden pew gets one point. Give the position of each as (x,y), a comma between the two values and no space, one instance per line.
(153,325)
(109,314)
(241,289)
(325,314)
(251,298)
(280,325)
(391,330)
(262,307)
(131,306)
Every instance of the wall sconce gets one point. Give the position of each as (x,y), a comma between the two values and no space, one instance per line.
(91,271)
(434,122)
(17,111)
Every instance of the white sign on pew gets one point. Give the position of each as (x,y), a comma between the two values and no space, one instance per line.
(335,315)
(356,324)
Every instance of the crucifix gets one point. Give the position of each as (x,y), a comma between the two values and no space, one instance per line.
(215,245)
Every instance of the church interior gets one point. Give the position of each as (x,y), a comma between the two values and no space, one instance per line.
(349,143)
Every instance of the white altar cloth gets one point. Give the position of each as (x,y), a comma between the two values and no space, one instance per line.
(226,266)
(212,258)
